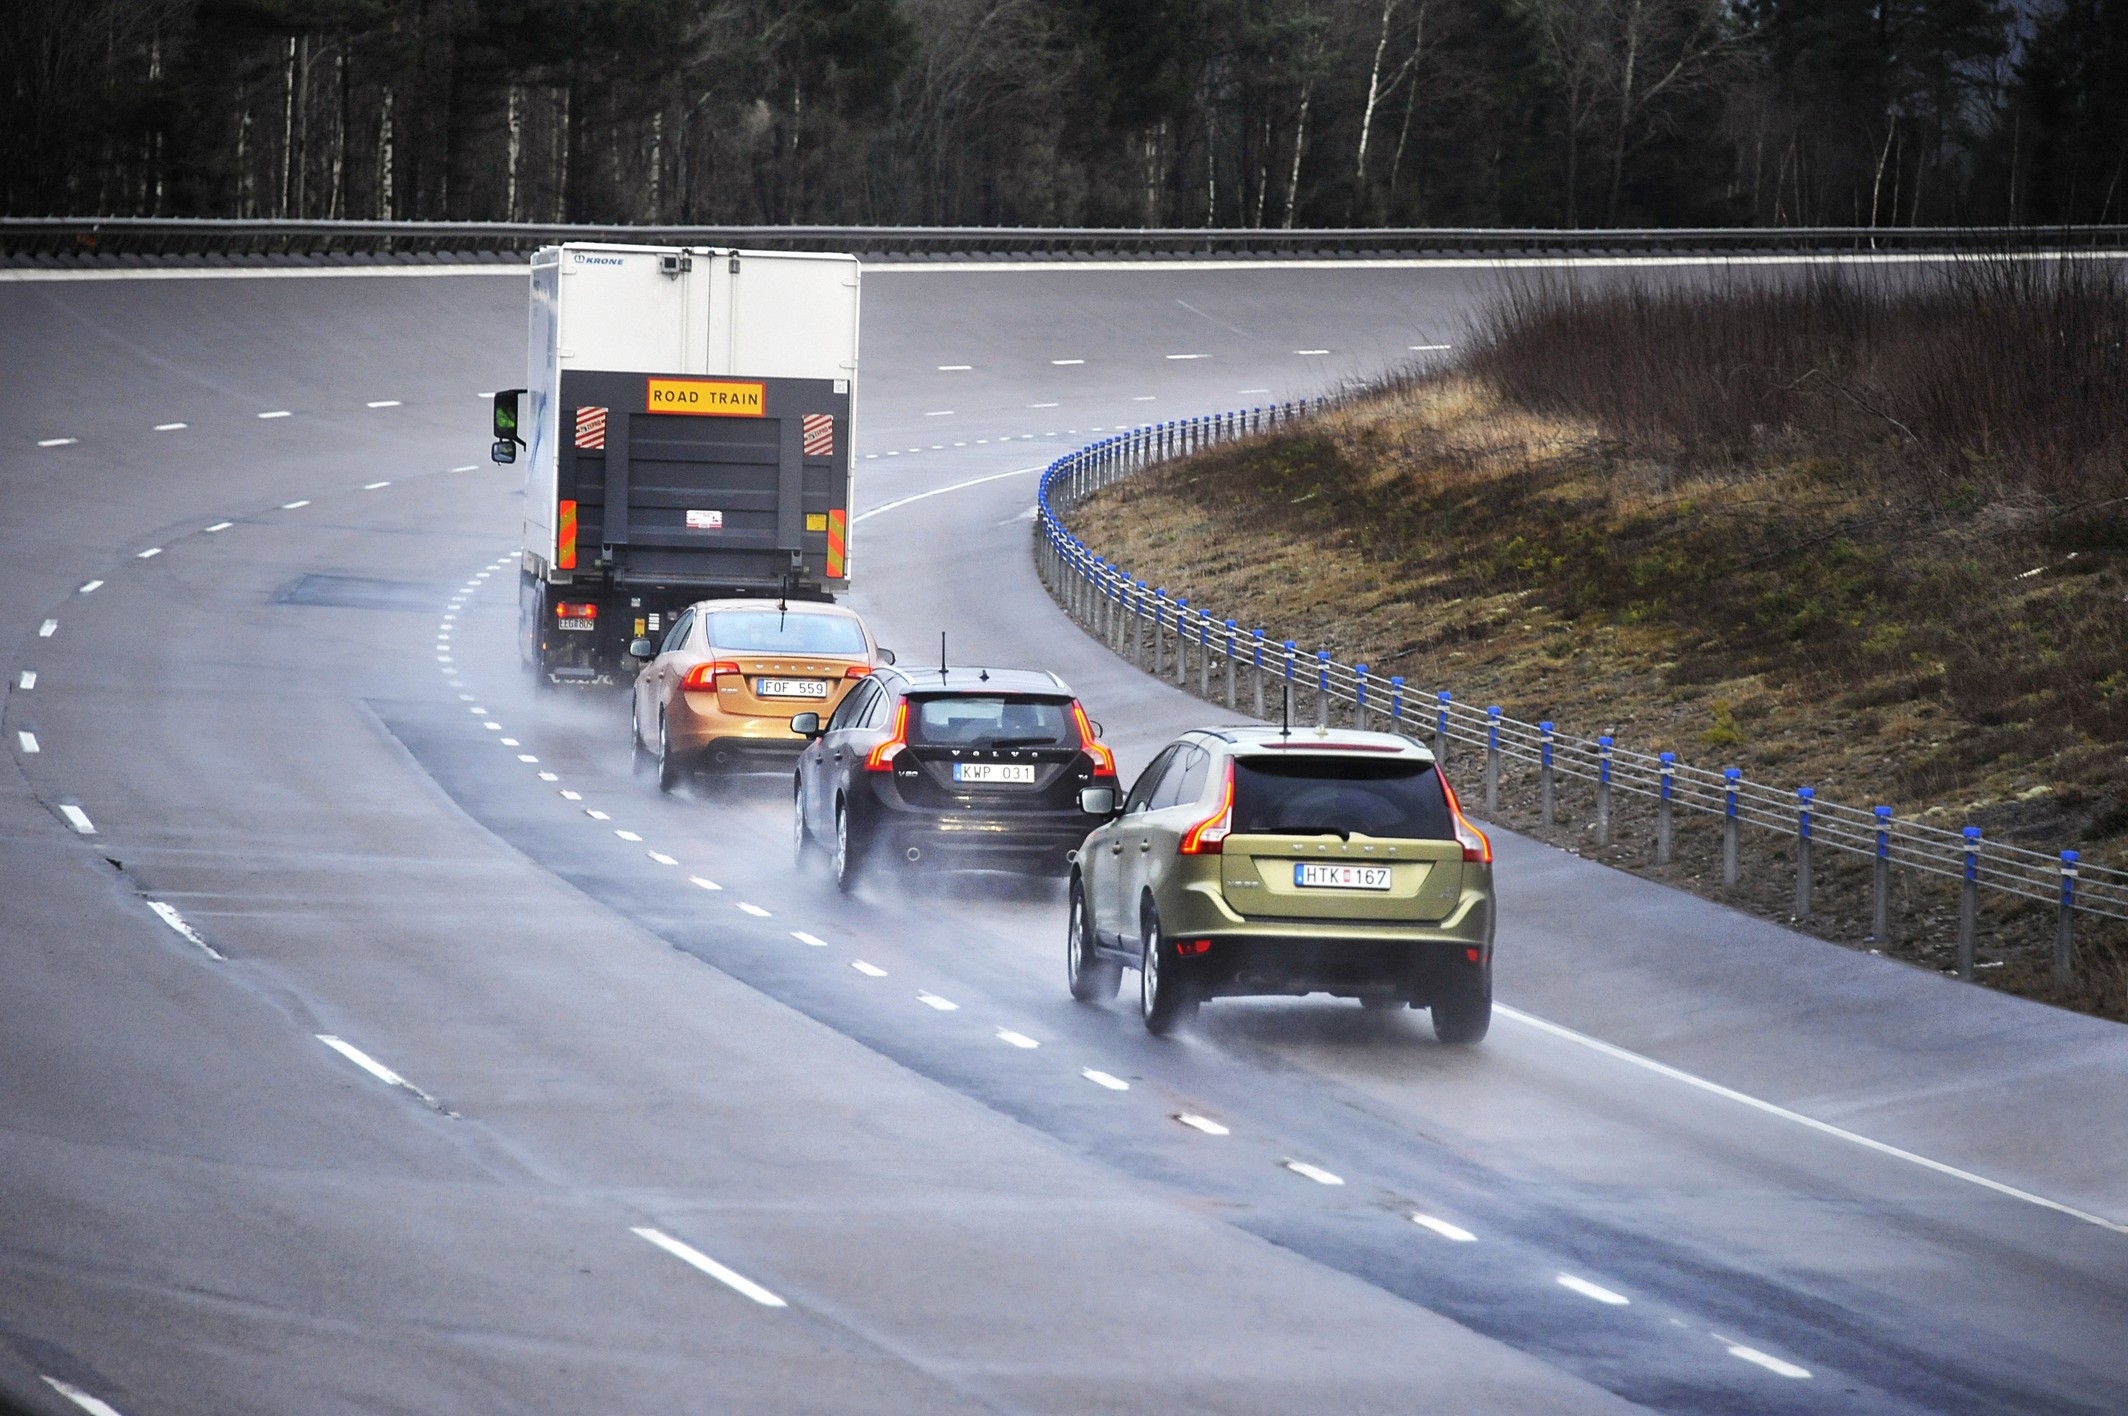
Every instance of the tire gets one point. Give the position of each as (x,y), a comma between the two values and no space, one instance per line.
(1163,1001)
(638,755)
(1461,1017)
(846,860)
(668,765)
(802,848)
(1093,979)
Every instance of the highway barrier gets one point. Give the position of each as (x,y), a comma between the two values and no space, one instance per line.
(1201,650)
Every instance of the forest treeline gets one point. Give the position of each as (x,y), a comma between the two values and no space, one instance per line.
(1242,113)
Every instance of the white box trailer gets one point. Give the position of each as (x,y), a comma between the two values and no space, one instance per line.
(686,423)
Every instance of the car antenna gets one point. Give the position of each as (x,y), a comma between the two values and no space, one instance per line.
(783,610)
(942,656)
(1285,726)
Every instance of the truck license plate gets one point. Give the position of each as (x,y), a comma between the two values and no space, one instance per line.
(1341,877)
(992,772)
(791,688)
(577,625)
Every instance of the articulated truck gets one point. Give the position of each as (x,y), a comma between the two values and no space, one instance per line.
(686,428)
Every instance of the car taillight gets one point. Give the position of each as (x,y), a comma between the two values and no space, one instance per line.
(856,671)
(1208,837)
(704,676)
(576,610)
(1477,849)
(881,758)
(1104,760)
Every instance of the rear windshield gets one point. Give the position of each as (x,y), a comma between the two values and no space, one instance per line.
(1303,796)
(992,720)
(775,632)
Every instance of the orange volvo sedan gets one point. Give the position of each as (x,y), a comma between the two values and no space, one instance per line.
(722,686)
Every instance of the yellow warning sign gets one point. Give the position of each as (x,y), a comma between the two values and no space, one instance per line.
(715,398)
(816,521)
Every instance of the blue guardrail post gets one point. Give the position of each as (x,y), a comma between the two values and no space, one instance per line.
(2065,921)
(1880,887)
(1732,778)
(1802,851)
(1969,903)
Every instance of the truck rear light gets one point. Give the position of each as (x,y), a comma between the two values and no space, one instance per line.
(576,610)
(881,758)
(1104,760)
(1477,849)
(1208,837)
(704,676)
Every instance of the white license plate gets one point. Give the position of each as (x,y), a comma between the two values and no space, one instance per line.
(992,772)
(1341,877)
(581,626)
(791,688)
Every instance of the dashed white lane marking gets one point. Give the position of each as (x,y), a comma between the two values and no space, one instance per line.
(47,629)
(1592,1290)
(95,1406)
(595,814)
(1061,363)
(1144,397)
(374,486)
(695,1258)
(661,858)
(151,553)
(868,970)
(1822,1127)
(28,741)
(526,757)
(78,819)
(1189,356)
(26,679)
(1016,1039)
(1767,1360)
(382,403)
(932,1000)
(1426,348)
(90,587)
(467,468)
(1443,1228)
(492,726)
(705,884)
(1311,351)
(1044,405)
(295,505)
(1201,1123)
(1255,390)
(568,795)
(277,413)
(168,427)
(629,836)
(1103,1079)
(57,442)
(377,1069)
(1314,1172)
(813,939)
(511,742)
(955,368)
(220,526)
(940,413)
(755,910)
(939,492)
(548,777)
(177,922)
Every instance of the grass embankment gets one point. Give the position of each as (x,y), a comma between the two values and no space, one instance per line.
(1857,534)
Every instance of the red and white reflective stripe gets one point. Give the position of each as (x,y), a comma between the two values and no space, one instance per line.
(819,435)
(591,428)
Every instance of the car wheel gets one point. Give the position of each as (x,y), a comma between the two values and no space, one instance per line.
(801,839)
(1462,1015)
(668,766)
(847,861)
(638,755)
(1093,978)
(1164,1002)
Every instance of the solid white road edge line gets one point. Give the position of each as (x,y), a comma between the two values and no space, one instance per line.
(95,1406)
(939,492)
(1313,1172)
(1592,1290)
(176,921)
(1676,1074)
(695,1258)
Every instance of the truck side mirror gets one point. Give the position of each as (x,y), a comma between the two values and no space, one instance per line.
(502,451)
(506,439)
(1097,801)
(886,656)
(806,725)
(640,649)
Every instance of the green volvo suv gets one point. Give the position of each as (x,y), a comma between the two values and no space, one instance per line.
(1251,860)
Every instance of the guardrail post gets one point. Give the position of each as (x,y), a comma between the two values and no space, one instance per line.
(1880,885)
(1256,643)
(1322,688)
(1182,640)
(1440,731)
(1139,627)
(1204,656)
(1544,773)
(1802,852)
(2065,921)
(1603,790)
(1492,760)
(1969,903)
(1396,703)
(1359,689)
(1159,637)
(1287,710)
(1662,808)
(1732,778)
(1230,666)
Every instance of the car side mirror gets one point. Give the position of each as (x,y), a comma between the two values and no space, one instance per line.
(886,656)
(640,649)
(806,725)
(1097,801)
(1099,731)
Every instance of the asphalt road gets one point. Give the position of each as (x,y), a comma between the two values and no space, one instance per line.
(622,1114)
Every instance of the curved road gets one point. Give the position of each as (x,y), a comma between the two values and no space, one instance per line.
(371,1040)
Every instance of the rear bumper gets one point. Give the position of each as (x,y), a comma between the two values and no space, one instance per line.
(1043,841)
(1412,961)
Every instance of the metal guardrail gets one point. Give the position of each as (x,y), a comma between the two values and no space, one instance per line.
(44,239)
(1166,635)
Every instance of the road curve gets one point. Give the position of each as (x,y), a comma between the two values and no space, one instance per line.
(371,1039)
